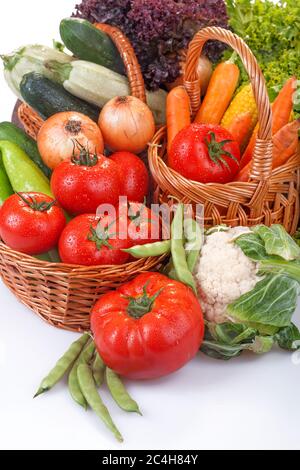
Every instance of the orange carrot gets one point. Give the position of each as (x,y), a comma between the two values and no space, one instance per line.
(285,146)
(178,112)
(239,128)
(281,108)
(219,94)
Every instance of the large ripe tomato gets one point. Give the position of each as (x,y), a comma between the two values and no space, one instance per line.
(143,224)
(31,223)
(88,241)
(205,153)
(133,175)
(81,184)
(148,328)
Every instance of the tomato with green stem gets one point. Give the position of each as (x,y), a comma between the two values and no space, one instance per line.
(205,153)
(149,327)
(90,241)
(143,223)
(85,181)
(31,223)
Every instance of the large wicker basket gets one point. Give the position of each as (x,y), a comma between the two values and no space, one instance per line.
(270,196)
(64,294)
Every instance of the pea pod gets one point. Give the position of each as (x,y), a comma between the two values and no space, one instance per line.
(119,393)
(10,132)
(74,387)
(183,273)
(194,242)
(63,365)
(90,392)
(5,187)
(23,174)
(98,370)
(150,249)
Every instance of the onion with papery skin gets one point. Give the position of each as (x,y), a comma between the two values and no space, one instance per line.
(127,124)
(63,134)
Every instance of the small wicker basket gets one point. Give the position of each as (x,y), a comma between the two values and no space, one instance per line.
(270,196)
(63,294)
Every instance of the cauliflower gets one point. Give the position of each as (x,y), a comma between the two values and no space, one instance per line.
(223,273)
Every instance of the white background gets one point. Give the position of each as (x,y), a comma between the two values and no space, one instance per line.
(248,403)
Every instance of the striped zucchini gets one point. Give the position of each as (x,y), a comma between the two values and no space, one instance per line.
(97,85)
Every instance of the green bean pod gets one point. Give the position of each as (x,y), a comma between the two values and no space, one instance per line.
(73,384)
(119,393)
(194,241)
(150,249)
(63,365)
(98,370)
(183,273)
(90,392)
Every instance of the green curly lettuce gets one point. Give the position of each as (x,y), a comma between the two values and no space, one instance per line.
(272,31)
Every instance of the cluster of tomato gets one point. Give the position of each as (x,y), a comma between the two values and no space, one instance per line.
(34,223)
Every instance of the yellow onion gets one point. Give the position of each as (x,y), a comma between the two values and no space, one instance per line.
(127,124)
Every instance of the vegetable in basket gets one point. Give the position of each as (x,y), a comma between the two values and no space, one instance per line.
(205,153)
(48,98)
(5,187)
(83,182)
(22,172)
(285,145)
(12,133)
(159,30)
(134,176)
(127,124)
(281,110)
(88,241)
(178,113)
(65,134)
(219,93)
(86,42)
(241,116)
(98,85)
(32,58)
(31,223)
(271,30)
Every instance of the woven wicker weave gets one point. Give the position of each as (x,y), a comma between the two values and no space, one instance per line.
(64,294)
(269,196)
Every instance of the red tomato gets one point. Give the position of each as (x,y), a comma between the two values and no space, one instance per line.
(81,184)
(88,241)
(148,328)
(31,223)
(143,223)
(205,153)
(133,175)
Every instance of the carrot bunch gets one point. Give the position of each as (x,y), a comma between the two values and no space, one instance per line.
(238,114)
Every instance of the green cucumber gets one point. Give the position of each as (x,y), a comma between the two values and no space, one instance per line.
(87,42)
(12,133)
(48,97)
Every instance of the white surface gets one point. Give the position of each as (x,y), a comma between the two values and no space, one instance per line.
(248,403)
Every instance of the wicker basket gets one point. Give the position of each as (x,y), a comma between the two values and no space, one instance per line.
(270,196)
(63,294)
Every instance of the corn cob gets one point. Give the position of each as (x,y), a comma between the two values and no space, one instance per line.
(241,116)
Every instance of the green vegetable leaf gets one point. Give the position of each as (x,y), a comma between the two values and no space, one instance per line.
(278,242)
(272,302)
(252,245)
(289,338)
(262,344)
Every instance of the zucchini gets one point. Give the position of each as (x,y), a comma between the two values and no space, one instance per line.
(49,98)
(97,85)
(30,59)
(12,133)
(87,42)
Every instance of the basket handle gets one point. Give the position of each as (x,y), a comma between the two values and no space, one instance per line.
(263,152)
(132,66)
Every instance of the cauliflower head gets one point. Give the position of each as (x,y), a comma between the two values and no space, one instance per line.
(223,273)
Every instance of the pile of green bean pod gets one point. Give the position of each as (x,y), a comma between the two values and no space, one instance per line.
(86,374)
